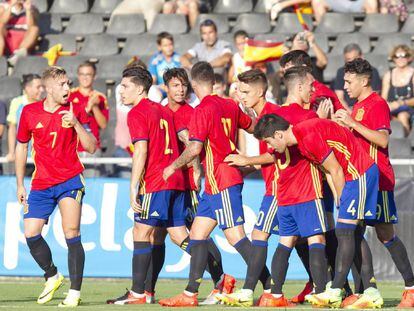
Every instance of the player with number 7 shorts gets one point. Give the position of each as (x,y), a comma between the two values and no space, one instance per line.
(213,128)
(355,182)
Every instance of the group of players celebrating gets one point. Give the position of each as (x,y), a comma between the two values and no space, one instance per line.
(315,156)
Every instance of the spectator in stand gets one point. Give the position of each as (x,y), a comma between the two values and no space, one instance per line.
(211,49)
(164,59)
(351,52)
(32,92)
(185,7)
(94,103)
(398,86)
(397,7)
(150,8)
(220,85)
(320,7)
(18,28)
(274,7)
(305,41)
(238,65)
(3,119)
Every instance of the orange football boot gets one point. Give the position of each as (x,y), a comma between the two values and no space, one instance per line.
(407,300)
(181,300)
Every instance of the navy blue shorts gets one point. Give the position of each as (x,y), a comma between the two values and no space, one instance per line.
(191,202)
(267,219)
(328,197)
(162,209)
(225,207)
(303,219)
(386,209)
(42,203)
(359,197)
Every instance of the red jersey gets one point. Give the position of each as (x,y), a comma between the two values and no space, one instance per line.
(81,100)
(295,171)
(374,113)
(149,121)
(321,91)
(269,171)
(215,123)
(54,145)
(317,138)
(182,119)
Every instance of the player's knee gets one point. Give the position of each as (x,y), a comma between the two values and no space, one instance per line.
(234,234)
(318,239)
(142,233)
(259,235)
(385,233)
(71,232)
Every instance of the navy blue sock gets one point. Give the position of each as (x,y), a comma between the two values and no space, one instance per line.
(318,266)
(256,263)
(140,264)
(156,264)
(42,255)
(399,255)
(198,263)
(76,262)
(280,264)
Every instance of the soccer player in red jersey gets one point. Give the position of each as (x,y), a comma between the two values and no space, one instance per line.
(54,126)
(355,180)
(213,128)
(292,170)
(155,203)
(370,123)
(94,102)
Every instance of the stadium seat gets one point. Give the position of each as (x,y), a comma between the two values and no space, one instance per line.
(184,42)
(50,23)
(104,7)
(67,8)
(126,25)
(68,42)
(253,23)
(334,63)
(173,23)
(387,42)
(29,64)
(408,26)
(100,45)
(399,148)
(403,171)
(139,45)
(85,24)
(3,66)
(260,7)
(335,23)
(346,38)
(71,63)
(9,88)
(322,40)
(110,67)
(376,24)
(397,130)
(273,37)
(220,20)
(378,61)
(233,7)
(41,5)
(288,23)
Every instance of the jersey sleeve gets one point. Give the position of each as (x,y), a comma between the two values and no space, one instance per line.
(379,117)
(138,127)
(314,148)
(199,127)
(24,133)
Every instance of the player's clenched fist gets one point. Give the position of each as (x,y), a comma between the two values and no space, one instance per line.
(21,195)
(68,117)
(135,202)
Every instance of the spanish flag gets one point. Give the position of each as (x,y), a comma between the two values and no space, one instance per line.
(256,51)
(53,54)
(299,15)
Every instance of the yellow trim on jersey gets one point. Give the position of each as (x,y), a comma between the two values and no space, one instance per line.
(275,178)
(320,210)
(142,184)
(373,152)
(210,168)
(343,149)
(316,181)
(33,153)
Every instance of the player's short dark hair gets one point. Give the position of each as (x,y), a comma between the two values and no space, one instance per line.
(254,76)
(53,72)
(135,62)
(218,78)
(208,23)
(88,64)
(297,58)
(240,33)
(360,67)
(164,35)
(139,76)
(352,47)
(295,74)
(28,78)
(268,125)
(203,72)
(178,73)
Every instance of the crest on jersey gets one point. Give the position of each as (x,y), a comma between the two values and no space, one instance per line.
(360,114)
(65,124)
(75,100)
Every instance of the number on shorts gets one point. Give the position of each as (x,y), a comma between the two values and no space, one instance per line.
(260,219)
(164,126)
(220,217)
(351,209)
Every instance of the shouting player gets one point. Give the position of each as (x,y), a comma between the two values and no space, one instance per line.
(54,126)
(213,127)
(370,123)
(155,203)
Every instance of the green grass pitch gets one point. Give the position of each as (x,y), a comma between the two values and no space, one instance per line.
(21,294)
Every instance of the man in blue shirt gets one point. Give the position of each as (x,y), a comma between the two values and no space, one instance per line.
(164,59)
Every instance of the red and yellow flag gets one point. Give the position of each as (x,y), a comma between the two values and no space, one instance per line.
(256,51)
(300,17)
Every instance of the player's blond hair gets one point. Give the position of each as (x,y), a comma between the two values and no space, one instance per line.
(53,72)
